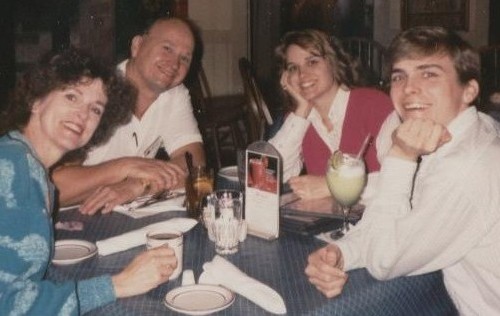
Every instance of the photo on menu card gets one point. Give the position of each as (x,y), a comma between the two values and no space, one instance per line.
(262,188)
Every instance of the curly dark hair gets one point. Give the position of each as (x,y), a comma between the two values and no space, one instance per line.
(57,71)
(345,69)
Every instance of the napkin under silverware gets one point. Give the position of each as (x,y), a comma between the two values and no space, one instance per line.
(143,207)
(222,272)
(138,237)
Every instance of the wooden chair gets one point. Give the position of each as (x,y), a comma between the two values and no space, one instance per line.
(370,54)
(257,113)
(490,72)
(219,119)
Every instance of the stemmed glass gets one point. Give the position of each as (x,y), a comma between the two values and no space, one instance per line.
(346,178)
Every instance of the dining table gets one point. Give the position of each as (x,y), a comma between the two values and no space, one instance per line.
(278,263)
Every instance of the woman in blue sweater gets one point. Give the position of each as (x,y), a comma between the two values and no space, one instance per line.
(66,103)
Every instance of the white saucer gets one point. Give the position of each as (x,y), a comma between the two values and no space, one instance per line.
(230,173)
(70,251)
(68,208)
(199,299)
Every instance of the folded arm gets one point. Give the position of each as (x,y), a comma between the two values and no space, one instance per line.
(77,183)
(446,216)
(25,296)
(288,142)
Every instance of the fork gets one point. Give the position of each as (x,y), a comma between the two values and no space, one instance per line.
(157,197)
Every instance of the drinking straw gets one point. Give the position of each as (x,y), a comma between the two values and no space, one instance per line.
(189,162)
(363,147)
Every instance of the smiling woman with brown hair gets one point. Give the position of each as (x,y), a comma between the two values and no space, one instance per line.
(68,101)
(59,71)
(327,111)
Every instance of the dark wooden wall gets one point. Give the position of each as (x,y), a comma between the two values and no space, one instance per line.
(494,29)
(7,50)
(21,21)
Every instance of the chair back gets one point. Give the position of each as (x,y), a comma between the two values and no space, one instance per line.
(370,55)
(200,92)
(490,71)
(257,112)
(219,119)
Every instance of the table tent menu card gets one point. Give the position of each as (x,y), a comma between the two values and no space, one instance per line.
(262,189)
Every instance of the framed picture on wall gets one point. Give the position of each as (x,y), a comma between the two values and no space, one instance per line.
(452,14)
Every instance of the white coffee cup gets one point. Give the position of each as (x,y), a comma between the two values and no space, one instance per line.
(170,237)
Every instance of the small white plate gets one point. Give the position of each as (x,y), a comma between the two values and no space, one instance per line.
(71,251)
(230,173)
(68,208)
(199,299)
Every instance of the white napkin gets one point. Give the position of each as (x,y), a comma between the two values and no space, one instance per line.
(222,272)
(138,237)
(174,204)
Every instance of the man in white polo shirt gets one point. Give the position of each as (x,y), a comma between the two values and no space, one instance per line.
(122,168)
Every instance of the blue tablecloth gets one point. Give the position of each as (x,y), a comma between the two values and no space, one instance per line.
(279,264)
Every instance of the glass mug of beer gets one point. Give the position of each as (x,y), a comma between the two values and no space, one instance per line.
(199,184)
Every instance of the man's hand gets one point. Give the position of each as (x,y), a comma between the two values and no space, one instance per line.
(148,270)
(324,270)
(417,137)
(144,176)
(107,197)
(159,174)
(309,187)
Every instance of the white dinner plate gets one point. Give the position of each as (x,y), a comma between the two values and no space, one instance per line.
(230,173)
(70,251)
(199,299)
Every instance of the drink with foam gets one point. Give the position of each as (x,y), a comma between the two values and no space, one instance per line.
(345,177)
(347,180)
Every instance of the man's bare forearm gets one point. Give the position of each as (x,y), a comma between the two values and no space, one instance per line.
(75,182)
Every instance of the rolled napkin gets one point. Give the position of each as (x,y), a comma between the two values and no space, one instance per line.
(222,272)
(188,277)
(138,237)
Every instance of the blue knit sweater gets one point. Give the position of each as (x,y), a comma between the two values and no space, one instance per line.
(27,241)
